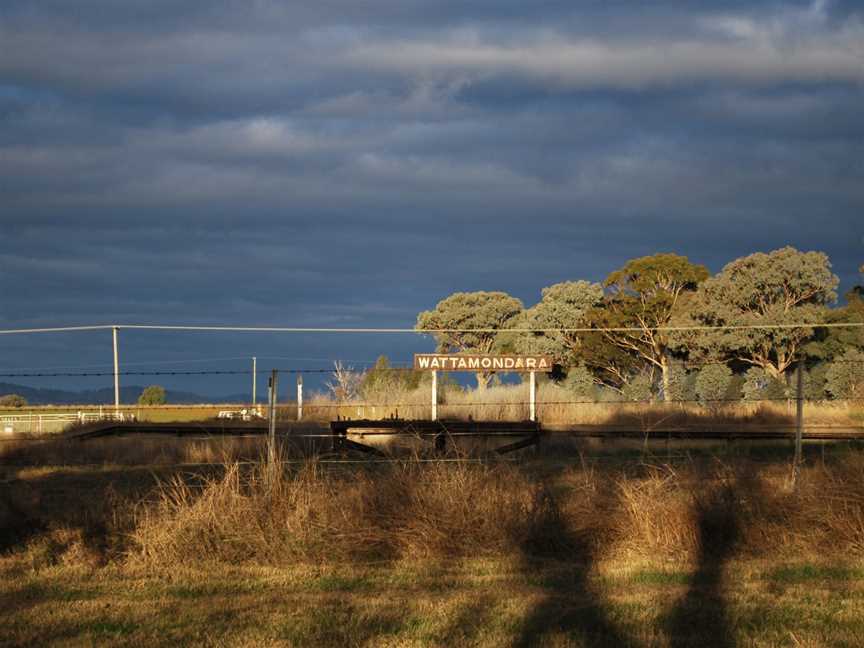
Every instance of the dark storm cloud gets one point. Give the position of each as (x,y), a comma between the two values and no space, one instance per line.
(343,163)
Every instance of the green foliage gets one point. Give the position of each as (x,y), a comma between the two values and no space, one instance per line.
(482,313)
(640,388)
(782,287)
(845,377)
(857,293)
(682,384)
(383,379)
(13,400)
(736,387)
(562,306)
(580,381)
(815,382)
(152,395)
(645,294)
(712,383)
(660,279)
(759,384)
(828,344)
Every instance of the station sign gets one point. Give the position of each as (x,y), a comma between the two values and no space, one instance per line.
(470,362)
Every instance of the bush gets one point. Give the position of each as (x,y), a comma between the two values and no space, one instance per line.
(639,389)
(760,385)
(815,382)
(845,377)
(152,395)
(712,383)
(13,400)
(580,382)
(383,380)
(682,384)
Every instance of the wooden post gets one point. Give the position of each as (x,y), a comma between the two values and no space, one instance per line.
(532,382)
(271,432)
(434,395)
(799,421)
(299,397)
(116,374)
(254,380)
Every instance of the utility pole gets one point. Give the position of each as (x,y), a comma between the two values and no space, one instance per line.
(799,421)
(271,432)
(299,397)
(254,380)
(116,374)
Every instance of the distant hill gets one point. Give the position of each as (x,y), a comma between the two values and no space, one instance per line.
(128,395)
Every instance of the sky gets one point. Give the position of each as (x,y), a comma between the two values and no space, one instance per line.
(349,164)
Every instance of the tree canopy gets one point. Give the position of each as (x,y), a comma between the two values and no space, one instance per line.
(781,287)
(645,294)
(152,395)
(383,379)
(562,306)
(607,334)
(13,400)
(480,316)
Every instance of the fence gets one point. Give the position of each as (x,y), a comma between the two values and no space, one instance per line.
(32,423)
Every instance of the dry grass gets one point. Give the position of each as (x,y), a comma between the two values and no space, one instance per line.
(135,450)
(475,603)
(417,510)
(557,406)
(441,553)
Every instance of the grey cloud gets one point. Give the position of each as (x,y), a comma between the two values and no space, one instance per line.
(354,163)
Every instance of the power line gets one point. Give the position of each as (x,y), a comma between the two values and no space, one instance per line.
(138,363)
(247,372)
(231,372)
(289,329)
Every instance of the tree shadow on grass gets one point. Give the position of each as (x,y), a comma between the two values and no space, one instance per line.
(701,618)
(570,605)
(466,626)
(88,505)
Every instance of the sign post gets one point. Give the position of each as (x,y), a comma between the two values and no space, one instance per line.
(434,395)
(529,364)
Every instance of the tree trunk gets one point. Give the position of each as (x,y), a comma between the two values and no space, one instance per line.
(483,378)
(665,371)
(772,370)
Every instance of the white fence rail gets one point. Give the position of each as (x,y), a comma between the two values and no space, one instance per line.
(49,423)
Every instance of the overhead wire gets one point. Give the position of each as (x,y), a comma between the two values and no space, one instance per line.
(312,329)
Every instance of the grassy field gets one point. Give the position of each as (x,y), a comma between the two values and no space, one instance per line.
(556,406)
(463,603)
(126,550)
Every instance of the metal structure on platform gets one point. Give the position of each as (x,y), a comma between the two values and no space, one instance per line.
(440,432)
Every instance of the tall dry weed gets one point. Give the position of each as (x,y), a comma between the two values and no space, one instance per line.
(429,510)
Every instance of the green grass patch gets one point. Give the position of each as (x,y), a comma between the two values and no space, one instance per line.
(110,628)
(791,574)
(336,583)
(658,577)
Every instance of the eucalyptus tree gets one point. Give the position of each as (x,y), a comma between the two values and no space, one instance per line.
(562,308)
(470,323)
(152,395)
(784,287)
(845,378)
(642,296)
